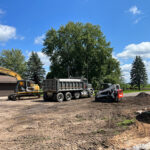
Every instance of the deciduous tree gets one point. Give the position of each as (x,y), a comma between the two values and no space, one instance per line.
(77,50)
(14,60)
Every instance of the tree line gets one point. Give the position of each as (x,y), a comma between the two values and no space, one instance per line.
(75,50)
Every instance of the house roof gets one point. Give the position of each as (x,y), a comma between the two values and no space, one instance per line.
(7,79)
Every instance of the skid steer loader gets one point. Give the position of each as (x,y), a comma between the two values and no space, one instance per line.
(109,92)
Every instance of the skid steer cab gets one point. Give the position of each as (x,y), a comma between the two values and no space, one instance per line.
(109,92)
(25,88)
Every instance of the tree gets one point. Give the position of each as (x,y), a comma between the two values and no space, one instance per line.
(77,50)
(35,70)
(14,60)
(50,75)
(138,73)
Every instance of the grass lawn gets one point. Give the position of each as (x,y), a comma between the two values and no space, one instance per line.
(132,91)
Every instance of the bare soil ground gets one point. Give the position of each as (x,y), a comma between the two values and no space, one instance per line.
(75,125)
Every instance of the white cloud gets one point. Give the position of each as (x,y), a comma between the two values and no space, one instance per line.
(39,39)
(126,67)
(45,59)
(147,66)
(2,12)
(137,20)
(7,33)
(126,76)
(20,37)
(126,72)
(134,10)
(132,50)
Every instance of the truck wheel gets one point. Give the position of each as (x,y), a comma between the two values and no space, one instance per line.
(9,97)
(13,98)
(59,97)
(17,98)
(76,95)
(45,97)
(68,96)
(39,95)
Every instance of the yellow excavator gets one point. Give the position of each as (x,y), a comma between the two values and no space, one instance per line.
(23,87)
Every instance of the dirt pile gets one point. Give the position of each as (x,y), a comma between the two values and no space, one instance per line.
(143,94)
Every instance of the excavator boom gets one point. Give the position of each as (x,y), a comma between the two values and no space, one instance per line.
(11,73)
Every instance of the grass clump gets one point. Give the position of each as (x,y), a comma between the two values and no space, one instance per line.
(126,122)
(80,118)
(100,131)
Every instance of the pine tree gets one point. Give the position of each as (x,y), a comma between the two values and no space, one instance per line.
(138,73)
(35,70)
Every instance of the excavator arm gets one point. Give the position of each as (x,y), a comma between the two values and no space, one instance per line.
(11,73)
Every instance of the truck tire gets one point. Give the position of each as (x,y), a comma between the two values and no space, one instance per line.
(9,97)
(45,97)
(68,96)
(77,95)
(59,97)
(39,95)
(13,98)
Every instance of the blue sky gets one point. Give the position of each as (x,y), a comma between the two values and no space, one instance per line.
(125,23)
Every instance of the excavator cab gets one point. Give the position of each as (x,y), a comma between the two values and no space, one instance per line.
(24,86)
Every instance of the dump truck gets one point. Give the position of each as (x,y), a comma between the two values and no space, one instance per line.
(23,87)
(66,89)
(109,91)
